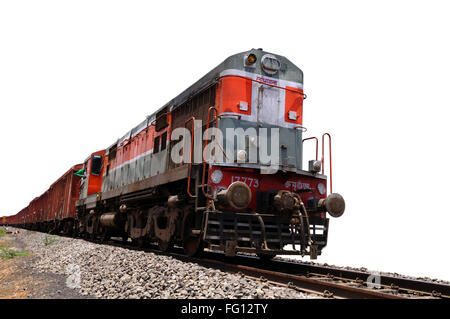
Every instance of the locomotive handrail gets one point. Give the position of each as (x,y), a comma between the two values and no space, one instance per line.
(206,146)
(322,160)
(317,144)
(191,155)
(272,85)
(301,127)
(226,114)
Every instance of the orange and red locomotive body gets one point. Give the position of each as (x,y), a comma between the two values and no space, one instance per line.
(251,194)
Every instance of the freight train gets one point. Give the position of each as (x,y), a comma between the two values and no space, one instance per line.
(157,185)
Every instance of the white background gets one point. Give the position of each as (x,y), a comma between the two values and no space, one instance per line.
(75,76)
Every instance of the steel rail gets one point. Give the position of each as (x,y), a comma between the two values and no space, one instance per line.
(399,284)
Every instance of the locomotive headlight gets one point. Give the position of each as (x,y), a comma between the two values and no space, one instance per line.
(241,156)
(321,188)
(216,176)
(251,58)
(314,166)
(270,64)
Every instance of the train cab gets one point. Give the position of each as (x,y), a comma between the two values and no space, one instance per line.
(92,174)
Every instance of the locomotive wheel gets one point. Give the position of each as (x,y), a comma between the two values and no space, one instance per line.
(75,230)
(65,228)
(164,245)
(139,242)
(105,237)
(193,246)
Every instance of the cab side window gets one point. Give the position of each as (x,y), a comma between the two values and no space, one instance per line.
(163,141)
(96,167)
(156,145)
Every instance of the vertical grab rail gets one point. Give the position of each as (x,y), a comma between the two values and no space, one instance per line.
(317,144)
(322,160)
(191,155)
(206,145)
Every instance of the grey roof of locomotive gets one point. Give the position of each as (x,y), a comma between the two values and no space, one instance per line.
(288,71)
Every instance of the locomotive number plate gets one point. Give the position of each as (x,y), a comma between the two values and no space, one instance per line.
(250,181)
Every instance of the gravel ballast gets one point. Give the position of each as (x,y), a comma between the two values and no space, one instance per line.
(106,271)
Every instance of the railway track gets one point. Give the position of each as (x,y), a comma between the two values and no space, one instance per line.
(387,285)
(319,286)
(324,281)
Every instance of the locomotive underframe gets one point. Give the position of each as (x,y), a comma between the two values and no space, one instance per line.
(195,222)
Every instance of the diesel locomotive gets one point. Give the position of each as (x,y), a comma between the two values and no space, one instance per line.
(156,184)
